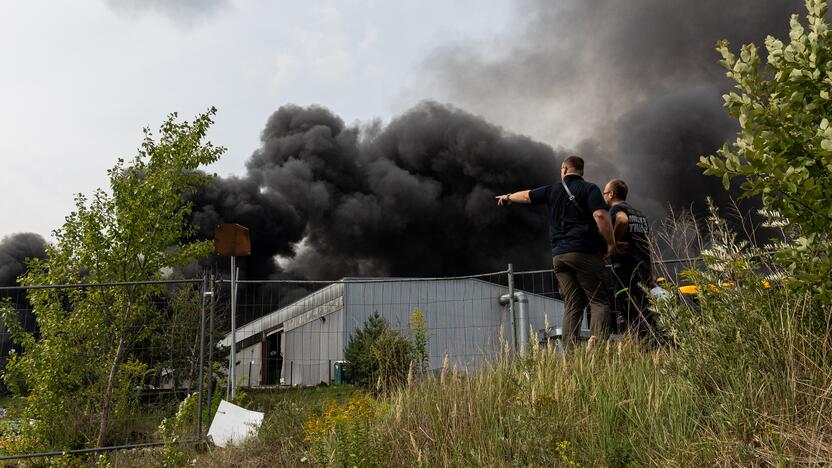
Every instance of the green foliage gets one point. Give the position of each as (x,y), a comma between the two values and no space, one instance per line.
(783,151)
(758,354)
(82,370)
(175,345)
(175,432)
(280,440)
(361,365)
(393,354)
(377,357)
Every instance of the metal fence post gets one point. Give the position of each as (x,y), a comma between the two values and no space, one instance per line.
(201,353)
(233,366)
(511,306)
(211,346)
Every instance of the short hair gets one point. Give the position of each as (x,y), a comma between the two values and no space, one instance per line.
(619,189)
(576,163)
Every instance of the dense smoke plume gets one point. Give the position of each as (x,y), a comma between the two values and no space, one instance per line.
(633,86)
(14,250)
(415,197)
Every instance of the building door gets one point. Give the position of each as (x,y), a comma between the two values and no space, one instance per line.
(273,358)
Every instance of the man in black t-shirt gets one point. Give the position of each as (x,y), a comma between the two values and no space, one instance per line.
(632,265)
(581,236)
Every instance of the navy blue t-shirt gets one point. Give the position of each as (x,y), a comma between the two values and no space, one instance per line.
(569,229)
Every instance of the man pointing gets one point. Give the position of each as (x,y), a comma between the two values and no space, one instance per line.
(581,236)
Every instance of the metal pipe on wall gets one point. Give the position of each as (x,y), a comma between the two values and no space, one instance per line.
(520,318)
(511,305)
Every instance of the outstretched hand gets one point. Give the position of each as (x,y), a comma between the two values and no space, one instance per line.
(503,200)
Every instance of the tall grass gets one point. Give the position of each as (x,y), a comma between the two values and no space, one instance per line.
(757,352)
(755,389)
(600,404)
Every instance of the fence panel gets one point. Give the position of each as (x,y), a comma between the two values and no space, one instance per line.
(145,334)
(289,333)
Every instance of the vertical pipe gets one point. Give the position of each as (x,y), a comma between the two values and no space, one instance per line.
(201,354)
(233,366)
(211,348)
(291,372)
(511,305)
(522,322)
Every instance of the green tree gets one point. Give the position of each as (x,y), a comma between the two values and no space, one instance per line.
(73,371)
(362,366)
(783,150)
(378,358)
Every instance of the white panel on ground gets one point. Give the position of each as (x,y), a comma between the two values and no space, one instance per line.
(233,424)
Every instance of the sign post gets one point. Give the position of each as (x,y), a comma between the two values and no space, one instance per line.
(232,240)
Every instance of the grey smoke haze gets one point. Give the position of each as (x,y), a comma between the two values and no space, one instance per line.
(633,86)
(414,197)
(180,11)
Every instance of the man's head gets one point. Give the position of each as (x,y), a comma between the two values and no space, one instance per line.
(572,165)
(615,191)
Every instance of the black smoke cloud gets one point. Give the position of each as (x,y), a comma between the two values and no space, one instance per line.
(14,250)
(412,198)
(633,86)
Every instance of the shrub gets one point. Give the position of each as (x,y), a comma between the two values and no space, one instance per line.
(362,366)
(377,357)
(394,355)
(757,352)
(340,435)
(783,149)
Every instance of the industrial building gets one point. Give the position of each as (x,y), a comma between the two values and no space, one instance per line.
(299,344)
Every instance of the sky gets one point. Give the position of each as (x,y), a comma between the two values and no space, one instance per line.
(79,80)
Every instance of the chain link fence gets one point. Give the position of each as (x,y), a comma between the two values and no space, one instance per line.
(287,333)
(146,353)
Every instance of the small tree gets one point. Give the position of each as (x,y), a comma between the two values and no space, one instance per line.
(362,366)
(379,358)
(72,371)
(783,151)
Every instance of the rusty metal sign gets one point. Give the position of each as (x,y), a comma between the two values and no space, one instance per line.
(232,240)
